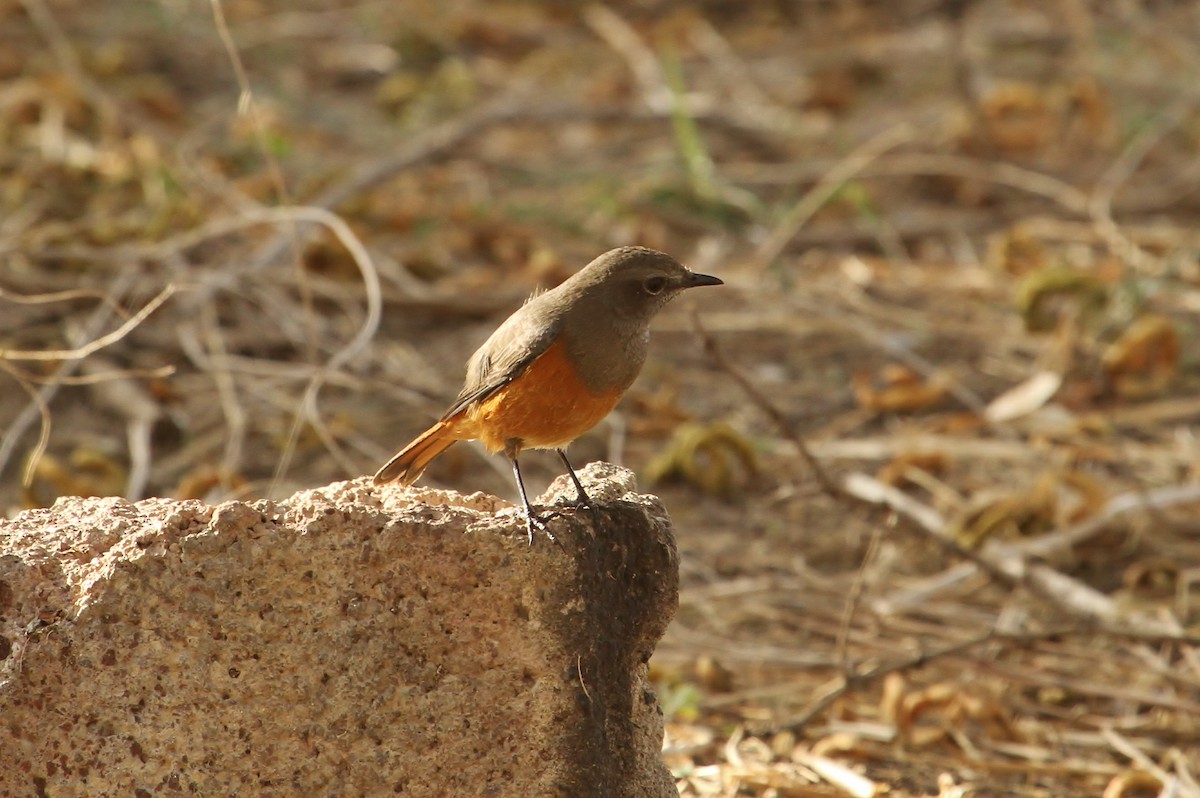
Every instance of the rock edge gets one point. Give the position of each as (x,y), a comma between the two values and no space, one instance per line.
(349,640)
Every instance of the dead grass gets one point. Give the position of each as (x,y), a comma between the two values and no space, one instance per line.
(963,274)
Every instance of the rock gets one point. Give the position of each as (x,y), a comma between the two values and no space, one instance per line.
(347,641)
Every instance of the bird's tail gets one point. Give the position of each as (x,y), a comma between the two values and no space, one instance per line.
(410,461)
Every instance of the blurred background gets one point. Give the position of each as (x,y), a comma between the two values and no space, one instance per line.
(246,248)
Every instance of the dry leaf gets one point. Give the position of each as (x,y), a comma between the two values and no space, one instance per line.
(713,457)
(88,472)
(839,742)
(840,776)
(1046,297)
(1156,576)
(712,675)
(1016,253)
(1008,515)
(1133,784)
(898,389)
(891,704)
(947,788)
(1019,117)
(932,698)
(206,483)
(1144,359)
(1024,398)
(902,468)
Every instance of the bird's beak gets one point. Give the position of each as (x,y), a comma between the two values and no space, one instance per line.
(694,279)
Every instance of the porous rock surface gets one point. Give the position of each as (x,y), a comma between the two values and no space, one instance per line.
(347,641)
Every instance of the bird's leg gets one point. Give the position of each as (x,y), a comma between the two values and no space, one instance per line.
(582,499)
(531,520)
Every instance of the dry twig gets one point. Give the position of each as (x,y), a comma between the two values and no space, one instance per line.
(40,400)
(777,417)
(81,352)
(826,188)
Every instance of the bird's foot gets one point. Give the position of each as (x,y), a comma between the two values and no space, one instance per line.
(581,497)
(580,502)
(532,522)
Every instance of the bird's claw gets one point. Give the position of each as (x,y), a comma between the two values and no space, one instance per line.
(532,521)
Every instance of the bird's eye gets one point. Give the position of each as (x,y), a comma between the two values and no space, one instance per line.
(655,284)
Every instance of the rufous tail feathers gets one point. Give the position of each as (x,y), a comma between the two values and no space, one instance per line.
(410,461)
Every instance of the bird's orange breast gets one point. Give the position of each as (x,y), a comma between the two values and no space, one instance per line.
(546,407)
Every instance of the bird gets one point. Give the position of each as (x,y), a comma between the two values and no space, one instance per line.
(556,367)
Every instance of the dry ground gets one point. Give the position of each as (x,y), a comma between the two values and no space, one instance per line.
(245,248)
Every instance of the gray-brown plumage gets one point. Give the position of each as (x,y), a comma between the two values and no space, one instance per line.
(557,365)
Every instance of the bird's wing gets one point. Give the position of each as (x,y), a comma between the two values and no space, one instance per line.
(511,348)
